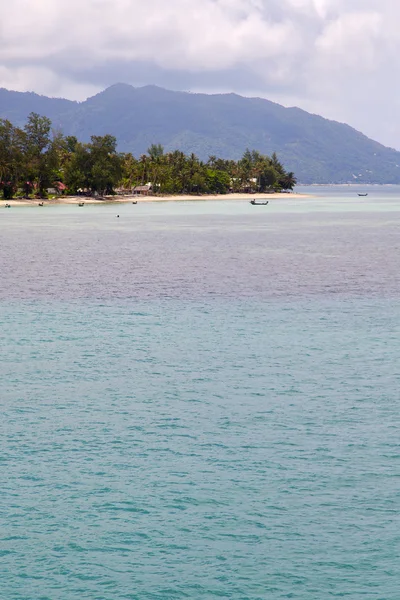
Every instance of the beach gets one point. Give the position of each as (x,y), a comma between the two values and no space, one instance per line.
(119,199)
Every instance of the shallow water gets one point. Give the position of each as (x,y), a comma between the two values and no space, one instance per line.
(201,400)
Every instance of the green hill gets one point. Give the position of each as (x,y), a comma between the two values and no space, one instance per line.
(316,149)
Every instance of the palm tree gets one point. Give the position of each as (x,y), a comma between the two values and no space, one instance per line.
(143,161)
(277,164)
(211,161)
(288,181)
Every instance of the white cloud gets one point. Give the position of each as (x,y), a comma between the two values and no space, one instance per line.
(46,82)
(351,41)
(336,57)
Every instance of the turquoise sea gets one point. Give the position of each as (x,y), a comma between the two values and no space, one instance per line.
(201,400)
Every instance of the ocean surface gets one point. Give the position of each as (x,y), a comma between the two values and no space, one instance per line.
(201,400)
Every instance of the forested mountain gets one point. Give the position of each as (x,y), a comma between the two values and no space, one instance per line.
(16,106)
(316,149)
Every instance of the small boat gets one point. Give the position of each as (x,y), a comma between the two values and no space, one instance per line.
(81,204)
(363,194)
(255,203)
(40,204)
(134,202)
(7,205)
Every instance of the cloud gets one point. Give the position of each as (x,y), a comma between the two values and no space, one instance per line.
(45,81)
(335,57)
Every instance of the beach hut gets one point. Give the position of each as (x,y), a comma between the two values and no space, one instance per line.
(60,187)
(142,190)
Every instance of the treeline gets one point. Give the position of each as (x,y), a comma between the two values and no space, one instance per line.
(36,158)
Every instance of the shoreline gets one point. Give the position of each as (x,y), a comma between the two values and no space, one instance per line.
(75,200)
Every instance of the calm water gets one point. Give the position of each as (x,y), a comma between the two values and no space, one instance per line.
(201,400)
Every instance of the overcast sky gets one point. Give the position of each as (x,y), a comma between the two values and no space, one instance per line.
(337,58)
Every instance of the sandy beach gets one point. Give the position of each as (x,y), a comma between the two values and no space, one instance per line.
(140,199)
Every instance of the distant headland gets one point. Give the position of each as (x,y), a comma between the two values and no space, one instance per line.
(317,150)
(39,163)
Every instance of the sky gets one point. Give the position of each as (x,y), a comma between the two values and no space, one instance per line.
(336,58)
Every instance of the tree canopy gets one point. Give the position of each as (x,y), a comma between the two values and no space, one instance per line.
(36,158)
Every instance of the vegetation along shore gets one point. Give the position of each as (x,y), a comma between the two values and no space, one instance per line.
(37,162)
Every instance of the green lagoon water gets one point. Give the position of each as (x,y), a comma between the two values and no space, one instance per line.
(201,400)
